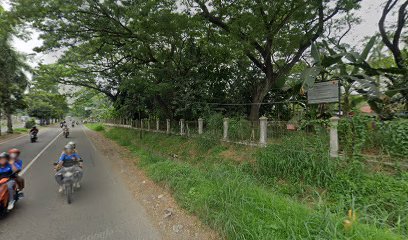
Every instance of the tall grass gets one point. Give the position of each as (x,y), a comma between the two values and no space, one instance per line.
(95,126)
(234,202)
(297,158)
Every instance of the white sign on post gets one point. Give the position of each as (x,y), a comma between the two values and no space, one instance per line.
(324,92)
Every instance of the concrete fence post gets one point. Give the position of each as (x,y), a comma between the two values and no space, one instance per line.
(334,138)
(141,124)
(168,126)
(225,132)
(263,130)
(157,124)
(200,126)
(148,124)
(182,122)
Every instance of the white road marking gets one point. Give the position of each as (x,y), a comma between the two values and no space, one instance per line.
(38,155)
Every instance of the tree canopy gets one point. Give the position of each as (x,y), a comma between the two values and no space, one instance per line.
(186,58)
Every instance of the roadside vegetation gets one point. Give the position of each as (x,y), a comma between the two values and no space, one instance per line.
(273,192)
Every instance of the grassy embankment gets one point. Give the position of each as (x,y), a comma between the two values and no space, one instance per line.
(272,193)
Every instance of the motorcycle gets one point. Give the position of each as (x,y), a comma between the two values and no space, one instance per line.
(66,133)
(69,176)
(33,137)
(4,195)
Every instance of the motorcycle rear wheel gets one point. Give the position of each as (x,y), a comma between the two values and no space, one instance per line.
(68,193)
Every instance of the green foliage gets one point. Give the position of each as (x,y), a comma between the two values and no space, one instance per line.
(13,79)
(30,123)
(298,159)
(378,198)
(395,137)
(353,134)
(240,129)
(361,133)
(45,105)
(231,201)
(96,127)
(214,126)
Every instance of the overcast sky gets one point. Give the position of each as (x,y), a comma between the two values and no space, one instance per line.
(369,13)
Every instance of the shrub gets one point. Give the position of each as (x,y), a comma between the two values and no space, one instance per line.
(240,129)
(30,123)
(96,127)
(395,137)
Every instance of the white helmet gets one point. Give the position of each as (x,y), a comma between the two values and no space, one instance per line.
(73,144)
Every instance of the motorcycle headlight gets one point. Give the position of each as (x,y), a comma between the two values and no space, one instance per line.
(68,174)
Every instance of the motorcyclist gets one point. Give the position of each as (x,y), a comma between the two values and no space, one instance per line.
(69,156)
(6,171)
(75,150)
(34,130)
(15,161)
(65,128)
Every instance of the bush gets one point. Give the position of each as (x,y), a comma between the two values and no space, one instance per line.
(96,127)
(395,137)
(30,123)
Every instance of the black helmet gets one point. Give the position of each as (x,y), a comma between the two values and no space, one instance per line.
(4,155)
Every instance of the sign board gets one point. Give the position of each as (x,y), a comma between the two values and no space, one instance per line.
(323,92)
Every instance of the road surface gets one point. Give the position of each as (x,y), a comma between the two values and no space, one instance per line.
(102,209)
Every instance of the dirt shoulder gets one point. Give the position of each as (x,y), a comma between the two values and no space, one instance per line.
(171,220)
(8,136)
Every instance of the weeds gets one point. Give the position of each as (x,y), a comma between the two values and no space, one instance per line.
(96,127)
(249,200)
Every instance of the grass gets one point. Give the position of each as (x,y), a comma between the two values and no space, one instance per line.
(95,127)
(244,194)
(20,130)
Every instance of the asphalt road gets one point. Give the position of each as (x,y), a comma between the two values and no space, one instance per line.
(102,209)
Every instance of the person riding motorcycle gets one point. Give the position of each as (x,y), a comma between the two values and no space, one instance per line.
(65,128)
(68,156)
(14,154)
(34,130)
(6,171)
(75,150)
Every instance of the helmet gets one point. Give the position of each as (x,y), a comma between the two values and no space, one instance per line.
(73,144)
(68,147)
(4,155)
(14,150)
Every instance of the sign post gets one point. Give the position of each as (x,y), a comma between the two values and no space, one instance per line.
(324,92)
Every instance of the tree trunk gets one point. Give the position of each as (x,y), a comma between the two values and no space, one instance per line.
(259,95)
(9,123)
(7,112)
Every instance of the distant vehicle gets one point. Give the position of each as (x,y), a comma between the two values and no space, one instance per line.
(66,132)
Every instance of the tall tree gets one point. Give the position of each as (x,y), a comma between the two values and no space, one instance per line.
(13,80)
(272,34)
